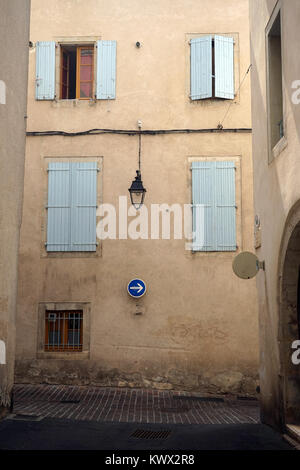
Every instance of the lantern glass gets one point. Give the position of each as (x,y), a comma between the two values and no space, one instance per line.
(137,199)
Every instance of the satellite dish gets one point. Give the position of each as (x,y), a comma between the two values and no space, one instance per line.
(246,265)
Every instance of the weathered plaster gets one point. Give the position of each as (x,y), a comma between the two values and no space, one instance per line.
(276,196)
(196,328)
(14,31)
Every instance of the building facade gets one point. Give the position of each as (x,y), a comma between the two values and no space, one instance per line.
(13,91)
(276,118)
(112,83)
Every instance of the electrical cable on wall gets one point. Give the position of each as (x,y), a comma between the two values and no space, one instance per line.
(138,132)
(218,129)
(220,125)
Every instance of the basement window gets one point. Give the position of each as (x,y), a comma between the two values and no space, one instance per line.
(276,126)
(63,330)
(77,72)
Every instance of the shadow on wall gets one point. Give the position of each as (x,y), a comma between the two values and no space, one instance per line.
(265,175)
(275,193)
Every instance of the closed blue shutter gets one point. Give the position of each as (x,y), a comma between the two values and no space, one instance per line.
(203,206)
(201,68)
(45,70)
(225,206)
(59,207)
(72,201)
(224,72)
(106,70)
(213,187)
(84,205)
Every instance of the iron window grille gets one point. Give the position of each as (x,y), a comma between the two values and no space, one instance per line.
(63,330)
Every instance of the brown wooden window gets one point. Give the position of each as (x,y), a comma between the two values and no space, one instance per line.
(77,72)
(63,330)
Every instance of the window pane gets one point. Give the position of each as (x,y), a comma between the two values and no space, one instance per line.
(85,72)
(54,338)
(74,338)
(65,60)
(86,90)
(65,76)
(86,56)
(63,331)
(64,93)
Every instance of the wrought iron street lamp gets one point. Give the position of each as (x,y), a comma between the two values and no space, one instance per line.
(137,190)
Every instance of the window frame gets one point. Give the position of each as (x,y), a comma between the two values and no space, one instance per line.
(78,48)
(63,324)
(237,159)
(84,41)
(45,160)
(43,307)
(213,101)
(78,78)
(72,204)
(274,151)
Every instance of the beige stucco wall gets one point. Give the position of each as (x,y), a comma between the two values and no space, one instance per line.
(198,328)
(13,72)
(276,189)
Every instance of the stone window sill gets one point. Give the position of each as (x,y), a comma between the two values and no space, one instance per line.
(69,356)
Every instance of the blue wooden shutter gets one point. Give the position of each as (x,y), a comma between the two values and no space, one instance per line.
(225,206)
(45,70)
(201,68)
(59,207)
(224,71)
(84,205)
(213,186)
(203,204)
(106,70)
(72,202)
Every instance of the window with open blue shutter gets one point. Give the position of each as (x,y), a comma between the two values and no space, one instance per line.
(224,72)
(106,70)
(201,68)
(72,204)
(213,188)
(45,70)
(212,67)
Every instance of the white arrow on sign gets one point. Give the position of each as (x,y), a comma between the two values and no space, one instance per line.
(138,288)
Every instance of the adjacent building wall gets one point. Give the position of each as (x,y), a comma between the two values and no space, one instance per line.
(277,192)
(196,328)
(14,32)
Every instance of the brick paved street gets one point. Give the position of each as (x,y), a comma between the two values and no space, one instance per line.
(130,405)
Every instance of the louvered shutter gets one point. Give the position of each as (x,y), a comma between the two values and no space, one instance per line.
(59,207)
(72,204)
(203,206)
(213,186)
(201,68)
(224,71)
(106,70)
(84,205)
(45,70)
(225,206)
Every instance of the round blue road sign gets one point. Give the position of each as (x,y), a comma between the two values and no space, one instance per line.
(136,288)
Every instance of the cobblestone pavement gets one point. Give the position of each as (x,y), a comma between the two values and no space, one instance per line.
(131,405)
